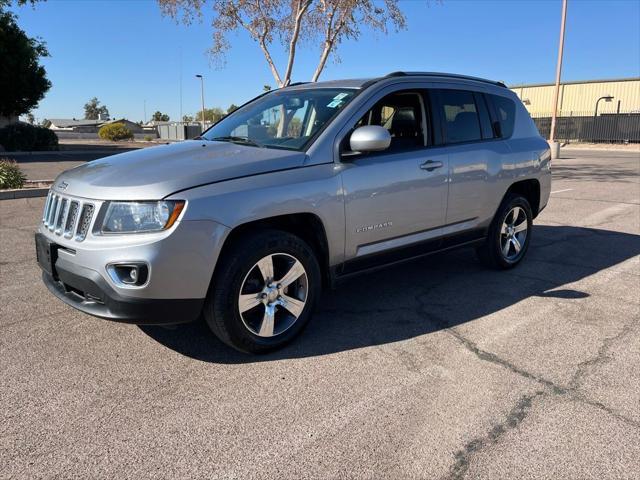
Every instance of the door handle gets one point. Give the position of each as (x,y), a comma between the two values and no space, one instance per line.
(430,165)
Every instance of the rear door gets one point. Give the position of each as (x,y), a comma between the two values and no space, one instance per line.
(475,157)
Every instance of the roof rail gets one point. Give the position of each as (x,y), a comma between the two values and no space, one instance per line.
(440,74)
(294,84)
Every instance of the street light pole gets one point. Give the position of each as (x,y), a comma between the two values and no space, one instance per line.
(555,149)
(606,98)
(202,97)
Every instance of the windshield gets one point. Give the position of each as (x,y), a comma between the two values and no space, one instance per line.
(282,119)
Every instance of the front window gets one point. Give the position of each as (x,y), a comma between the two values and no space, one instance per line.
(286,119)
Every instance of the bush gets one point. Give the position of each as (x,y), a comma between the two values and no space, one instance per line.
(25,137)
(10,174)
(115,131)
(148,138)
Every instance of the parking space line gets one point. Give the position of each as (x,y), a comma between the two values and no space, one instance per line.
(560,191)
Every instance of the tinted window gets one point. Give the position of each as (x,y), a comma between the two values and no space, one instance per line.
(460,116)
(485,119)
(506,111)
(401,114)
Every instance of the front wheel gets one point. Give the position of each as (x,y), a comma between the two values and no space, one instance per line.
(509,234)
(264,291)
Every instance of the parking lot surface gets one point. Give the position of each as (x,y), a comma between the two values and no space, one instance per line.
(435,369)
(47,165)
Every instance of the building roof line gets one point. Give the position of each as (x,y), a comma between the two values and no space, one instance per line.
(576,82)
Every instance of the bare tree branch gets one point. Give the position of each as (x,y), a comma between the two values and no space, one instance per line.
(289,22)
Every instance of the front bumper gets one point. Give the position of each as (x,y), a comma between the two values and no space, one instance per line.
(87,291)
(180,263)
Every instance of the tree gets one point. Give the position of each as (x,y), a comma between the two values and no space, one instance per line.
(232,108)
(187,118)
(160,117)
(23,81)
(287,22)
(30,118)
(93,110)
(211,115)
(7,3)
(343,19)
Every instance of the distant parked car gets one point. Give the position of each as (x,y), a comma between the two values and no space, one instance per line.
(299,188)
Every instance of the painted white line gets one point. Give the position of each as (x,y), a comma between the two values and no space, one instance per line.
(565,190)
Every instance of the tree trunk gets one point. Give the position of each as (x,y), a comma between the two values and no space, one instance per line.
(302,8)
(323,60)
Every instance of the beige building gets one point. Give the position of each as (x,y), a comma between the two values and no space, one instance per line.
(579,98)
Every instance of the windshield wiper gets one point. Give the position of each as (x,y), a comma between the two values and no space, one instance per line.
(236,139)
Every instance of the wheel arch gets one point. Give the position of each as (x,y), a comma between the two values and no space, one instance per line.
(529,189)
(308,226)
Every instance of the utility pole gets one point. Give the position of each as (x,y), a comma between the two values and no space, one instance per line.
(202,97)
(180,82)
(555,146)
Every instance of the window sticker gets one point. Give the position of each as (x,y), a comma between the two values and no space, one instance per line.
(337,100)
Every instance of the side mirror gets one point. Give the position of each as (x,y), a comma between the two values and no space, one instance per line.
(370,138)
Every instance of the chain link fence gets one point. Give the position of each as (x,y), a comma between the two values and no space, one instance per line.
(586,127)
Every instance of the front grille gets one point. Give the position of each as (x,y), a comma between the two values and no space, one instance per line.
(67,216)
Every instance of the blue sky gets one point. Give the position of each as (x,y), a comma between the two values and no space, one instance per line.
(125,53)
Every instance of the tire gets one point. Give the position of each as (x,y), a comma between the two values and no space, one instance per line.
(241,271)
(492,252)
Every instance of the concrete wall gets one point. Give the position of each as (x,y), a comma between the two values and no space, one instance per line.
(94,136)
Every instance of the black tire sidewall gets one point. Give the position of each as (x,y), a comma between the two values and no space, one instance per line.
(228,280)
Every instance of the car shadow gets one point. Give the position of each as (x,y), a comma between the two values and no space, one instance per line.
(594,172)
(424,296)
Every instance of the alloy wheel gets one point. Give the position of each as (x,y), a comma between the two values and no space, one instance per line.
(513,233)
(273,295)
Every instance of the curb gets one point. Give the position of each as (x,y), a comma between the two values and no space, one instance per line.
(39,188)
(23,193)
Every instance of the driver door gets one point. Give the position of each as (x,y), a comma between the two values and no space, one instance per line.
(395,198)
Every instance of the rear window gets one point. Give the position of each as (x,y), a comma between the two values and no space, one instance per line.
(506,111)
(460,115)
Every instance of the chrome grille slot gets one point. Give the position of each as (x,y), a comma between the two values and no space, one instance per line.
(63,210)
(46,208)
(52,211)
(72,217)
(85,222)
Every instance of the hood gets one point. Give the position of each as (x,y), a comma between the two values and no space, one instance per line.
(155,172)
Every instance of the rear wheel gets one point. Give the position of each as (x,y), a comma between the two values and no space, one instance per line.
(263,292)
(509,234)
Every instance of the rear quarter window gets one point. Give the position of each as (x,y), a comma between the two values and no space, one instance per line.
(506,111)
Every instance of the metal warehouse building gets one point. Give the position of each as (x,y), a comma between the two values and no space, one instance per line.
(588,111)
(580,98)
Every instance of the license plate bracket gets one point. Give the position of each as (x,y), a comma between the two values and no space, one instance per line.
(46,254)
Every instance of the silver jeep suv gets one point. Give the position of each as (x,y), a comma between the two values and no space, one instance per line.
(299,188)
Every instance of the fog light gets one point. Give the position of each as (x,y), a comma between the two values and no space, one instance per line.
(129,274)
(133,274)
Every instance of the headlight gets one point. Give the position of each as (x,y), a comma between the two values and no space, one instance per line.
(138,217)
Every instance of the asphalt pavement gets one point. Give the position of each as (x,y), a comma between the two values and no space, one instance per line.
(434,369)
